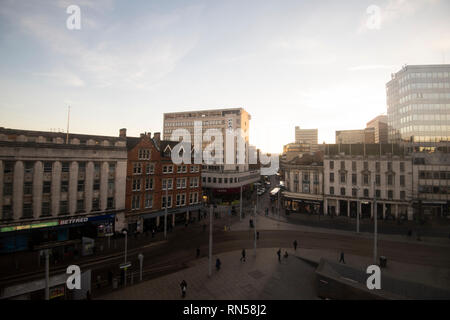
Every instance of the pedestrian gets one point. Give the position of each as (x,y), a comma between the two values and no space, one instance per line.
(198,253)
(153,233)
(279,255)
(183,286)
(218,264)
(88,295)
(243,255)
(295,245)
(341,259)
(257,235)
(286,255)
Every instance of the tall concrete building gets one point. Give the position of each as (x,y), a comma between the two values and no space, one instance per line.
(418,104)
(356,136)
(379,124)
(220,180)
(309,136)
(56,189)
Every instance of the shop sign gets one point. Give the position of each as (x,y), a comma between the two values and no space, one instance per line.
(73,220)
(29,226)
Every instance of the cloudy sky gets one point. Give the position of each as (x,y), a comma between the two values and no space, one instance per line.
(315,64)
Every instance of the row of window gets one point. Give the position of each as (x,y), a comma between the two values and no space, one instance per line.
(150,168)
(8,167)
(148,200)
(366,165)
(191,123)
(166,183)
(424,75)
(442,175)
(47,187)
(424,85)
(390,179)
(434,189)
(27,209)
(219,180)
(421,95)
(424,107)
(389,193)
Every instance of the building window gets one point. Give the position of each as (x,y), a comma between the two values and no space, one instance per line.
(97,184)
(389,166)
(366,193)
(80,186)
(181,183)
(137,168)
(47,187)
(28,188)
(8,167)
(342,191)
(402,180)
(7,212)
(343,177)
(96,168)
(366,179)
(136,184)
(331,177)
(65,167)
(377,166)
(193,182)
(182,169)
(390,194)
(402,195)
(48,166)
(194,168)
(64,186)
(27,210)
(354,192)
(378,194)
(366,165)
(112,168)
(45,210)
(110,203)
(354,179)
(390,180)
(193,197)
(136,202)
(354,165)
(81,167)
(144,154)
(111,185)
(332,190)
(150,169)
(167,182)
(169,201)
(342,165)
(331,165)
(377,179)
(149,200)
(63,208)
(95,204)
(29,167)
(167,169)
(148,183)
(402,166)
(80,205)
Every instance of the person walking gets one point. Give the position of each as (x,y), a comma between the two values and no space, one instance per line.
(295,245)
(243,255)
(279,255)
(341,259)
(218,264)
(183,286)
(257,235)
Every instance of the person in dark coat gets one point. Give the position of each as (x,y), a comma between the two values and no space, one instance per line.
(243,255)
(295,245)
(183,286)
(218,264)
(341,259)
(279,255)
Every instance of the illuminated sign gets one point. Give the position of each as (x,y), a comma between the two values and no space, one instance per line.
(29,226)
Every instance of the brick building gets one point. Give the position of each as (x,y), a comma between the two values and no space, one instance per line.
(150,171)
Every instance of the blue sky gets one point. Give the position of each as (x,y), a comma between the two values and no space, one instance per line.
(314,64)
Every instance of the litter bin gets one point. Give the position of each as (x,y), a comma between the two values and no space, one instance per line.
(383,262)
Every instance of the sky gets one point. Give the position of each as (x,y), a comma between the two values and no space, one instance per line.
(313,64)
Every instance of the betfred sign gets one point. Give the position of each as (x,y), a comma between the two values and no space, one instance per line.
(73,220)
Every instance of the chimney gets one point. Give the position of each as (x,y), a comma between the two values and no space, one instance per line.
(123,133)
(157,136)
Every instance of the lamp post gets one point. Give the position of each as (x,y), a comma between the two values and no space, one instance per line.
(141,260)
(210,240)
(125,258)
(165,212)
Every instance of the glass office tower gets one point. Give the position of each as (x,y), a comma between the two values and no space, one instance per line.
(418,104)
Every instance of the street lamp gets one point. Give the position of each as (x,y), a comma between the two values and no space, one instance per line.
(165,212)
(141,260)
(125,257)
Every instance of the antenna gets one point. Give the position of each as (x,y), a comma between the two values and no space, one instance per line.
(68,121)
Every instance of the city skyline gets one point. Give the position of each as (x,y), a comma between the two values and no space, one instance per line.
(301,64)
